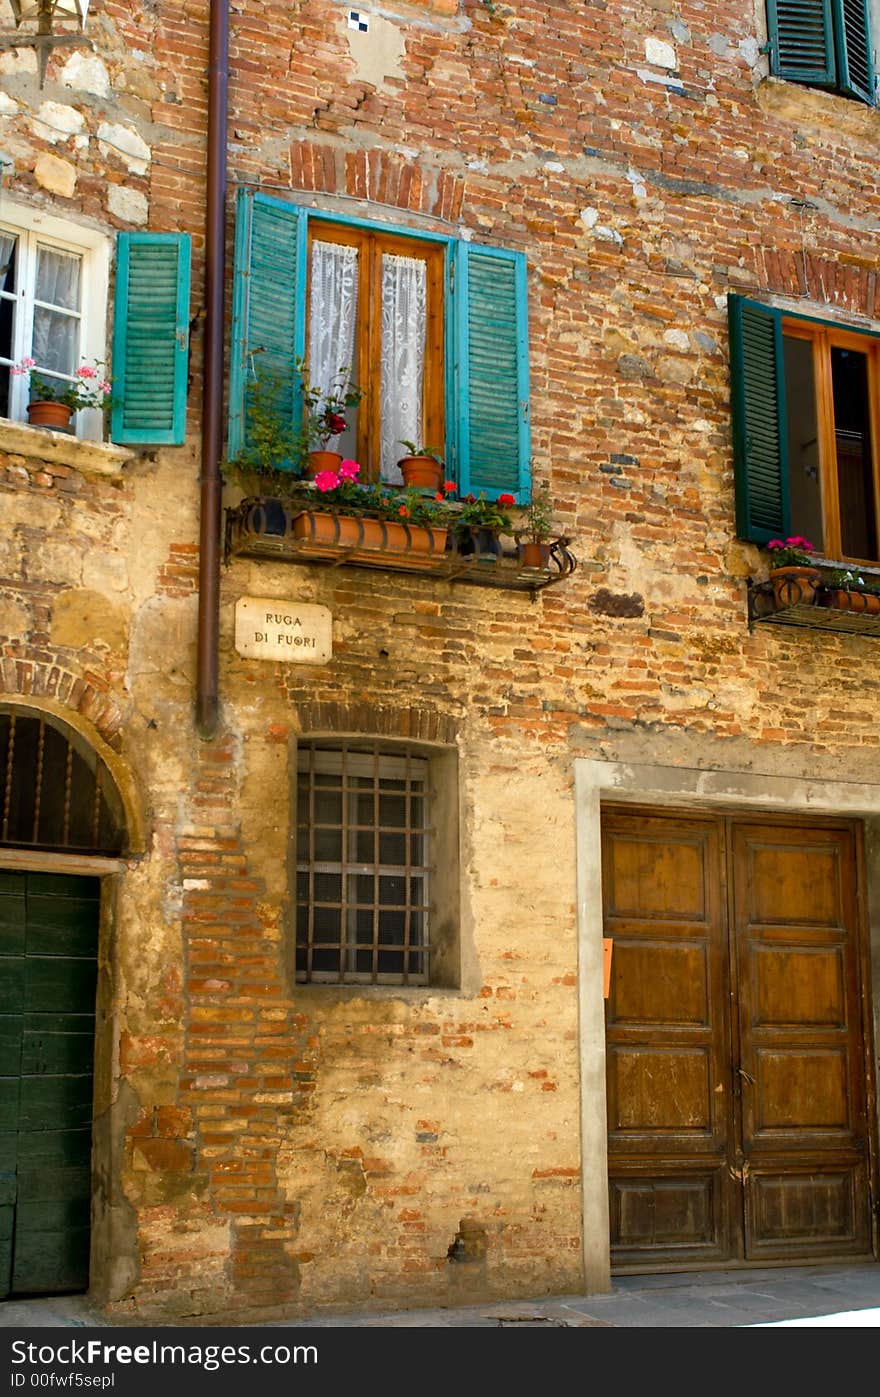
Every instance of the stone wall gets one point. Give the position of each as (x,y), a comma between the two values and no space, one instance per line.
(287,1147)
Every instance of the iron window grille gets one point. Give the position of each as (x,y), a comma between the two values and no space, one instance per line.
(56,793)
(363,871)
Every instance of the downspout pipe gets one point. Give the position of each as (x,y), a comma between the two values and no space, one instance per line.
(207,661)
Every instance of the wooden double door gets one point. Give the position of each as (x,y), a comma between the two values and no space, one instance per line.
(48,977)
(739,1109)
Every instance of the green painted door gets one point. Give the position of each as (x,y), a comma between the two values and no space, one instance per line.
(48,976)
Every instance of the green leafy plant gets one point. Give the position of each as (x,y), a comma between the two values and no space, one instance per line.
(412,506)
(325,409)
(537,517)
(413,449)
(850,580)
(89,388)
(273,449)
(476,512)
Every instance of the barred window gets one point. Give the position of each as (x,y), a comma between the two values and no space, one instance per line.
(363,869)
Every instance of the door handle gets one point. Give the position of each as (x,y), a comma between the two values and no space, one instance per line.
(746,1076)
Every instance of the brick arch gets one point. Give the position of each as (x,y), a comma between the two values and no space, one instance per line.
(34,679)
(377,175)
(371,720)
(90,711)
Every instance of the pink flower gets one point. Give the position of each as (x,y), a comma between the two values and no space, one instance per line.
(86,371)
(349,470)
(105,386)
(23,366)
(326,480)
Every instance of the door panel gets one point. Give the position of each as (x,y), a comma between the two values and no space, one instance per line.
(734,1135)
(48,971)
(804,1111)
(668,1106)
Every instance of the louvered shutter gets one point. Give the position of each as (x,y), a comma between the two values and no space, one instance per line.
(802,41)
(490,372)
(760,447)
(268,317)
(151,338)
(855,65)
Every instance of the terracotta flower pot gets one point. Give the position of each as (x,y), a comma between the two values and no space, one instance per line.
(322,461)
(793,586)
(421,472)
(49,414)
(534,555)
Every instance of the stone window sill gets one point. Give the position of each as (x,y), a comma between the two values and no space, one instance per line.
(41,444)
(815,107)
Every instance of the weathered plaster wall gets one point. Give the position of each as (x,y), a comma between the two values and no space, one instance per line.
(290,1147)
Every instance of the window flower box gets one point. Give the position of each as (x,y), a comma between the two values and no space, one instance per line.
(361,532)
(270,527)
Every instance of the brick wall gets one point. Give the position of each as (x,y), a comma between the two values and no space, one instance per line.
(291,1147)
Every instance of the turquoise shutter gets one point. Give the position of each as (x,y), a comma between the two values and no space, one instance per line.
(489,389)
(855,66)
(801,36)
(268,307)
(760,448)
(151,338)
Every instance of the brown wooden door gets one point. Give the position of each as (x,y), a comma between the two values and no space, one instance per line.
(737,1106)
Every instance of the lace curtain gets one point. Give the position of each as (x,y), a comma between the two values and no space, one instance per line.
(404,326)
(332,317)
(56,333)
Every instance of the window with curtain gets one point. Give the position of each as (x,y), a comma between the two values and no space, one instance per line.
(53,296)
(433,329)
(375,309)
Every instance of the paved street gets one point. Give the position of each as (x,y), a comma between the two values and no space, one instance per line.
(814,1296)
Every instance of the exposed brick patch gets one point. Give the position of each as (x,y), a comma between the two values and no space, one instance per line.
(377,175)
(179,574)
(606,603)
(368,720)
(848,282)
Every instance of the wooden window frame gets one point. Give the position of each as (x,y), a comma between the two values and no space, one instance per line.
(371,244)
(824,338)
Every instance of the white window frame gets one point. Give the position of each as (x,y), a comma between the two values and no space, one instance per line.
(33,227)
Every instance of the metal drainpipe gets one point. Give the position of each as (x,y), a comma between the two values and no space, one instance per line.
(207,700)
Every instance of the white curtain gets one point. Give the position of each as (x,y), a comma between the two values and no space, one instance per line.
(56,334)
(404,325)
(332,316)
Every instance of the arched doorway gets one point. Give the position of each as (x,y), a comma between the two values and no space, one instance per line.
(62,826)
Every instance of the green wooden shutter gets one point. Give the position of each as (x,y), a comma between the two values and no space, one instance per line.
(760,449)
(855,66)
(151,338)
(802,41)
(268,317)
(490,371)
